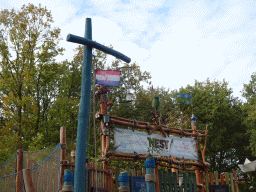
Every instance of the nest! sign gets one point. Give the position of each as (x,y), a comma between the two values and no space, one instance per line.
(128,141)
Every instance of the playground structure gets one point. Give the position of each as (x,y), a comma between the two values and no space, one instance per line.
(106,124)
(44,170)
(89,177)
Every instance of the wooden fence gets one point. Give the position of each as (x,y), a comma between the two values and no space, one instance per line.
(226,178)
(168,181)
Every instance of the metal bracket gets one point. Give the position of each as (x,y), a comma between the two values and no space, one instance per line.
(63,146)
(106,131)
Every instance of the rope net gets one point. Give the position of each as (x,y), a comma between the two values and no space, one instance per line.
(44,166)
(7,174)
(9,167)
(7,183)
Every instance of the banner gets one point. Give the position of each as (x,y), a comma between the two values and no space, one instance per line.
(107,77)
(128,141)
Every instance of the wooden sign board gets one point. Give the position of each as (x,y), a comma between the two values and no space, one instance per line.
(219,188)
(138,184)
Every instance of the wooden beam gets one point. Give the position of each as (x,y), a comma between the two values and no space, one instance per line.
(62,153)
(165,128)
(167,160)
(28,180)
(19,169)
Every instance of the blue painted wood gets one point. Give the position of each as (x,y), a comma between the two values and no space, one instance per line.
(221,188)
(165,181)
(194,182)
(185,182)
(123,179)
(90,43)
(150,166)
(68,177)
(181,188)
(175,181)
(138,184)
(170,180)
(190,182)
(160,178)
(83,114)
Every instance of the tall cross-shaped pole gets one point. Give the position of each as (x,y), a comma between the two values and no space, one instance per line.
(84,109)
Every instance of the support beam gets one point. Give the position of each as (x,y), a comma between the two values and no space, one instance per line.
(83,115)
(62,153)
(28,180)
(88,42)
(19,171)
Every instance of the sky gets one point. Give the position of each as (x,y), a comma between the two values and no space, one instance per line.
(178,42)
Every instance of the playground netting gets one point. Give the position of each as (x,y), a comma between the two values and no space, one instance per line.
(44,166)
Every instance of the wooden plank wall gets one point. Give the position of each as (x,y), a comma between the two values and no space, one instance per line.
(113,176)
(223,178)
(168,182)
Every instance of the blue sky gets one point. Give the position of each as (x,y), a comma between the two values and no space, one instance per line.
(177,41)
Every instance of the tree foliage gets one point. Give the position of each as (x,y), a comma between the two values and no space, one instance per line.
(39,95)
(249,108)
(28,46)
(214,105)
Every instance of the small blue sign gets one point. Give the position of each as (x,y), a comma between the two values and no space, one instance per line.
(138,184)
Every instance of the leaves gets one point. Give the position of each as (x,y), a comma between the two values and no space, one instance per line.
(28,47)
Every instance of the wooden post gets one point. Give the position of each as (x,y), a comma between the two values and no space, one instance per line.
(193,126)
(116,179)
(19,169)
(211,178)
(150,176)
(68,182)
(236,181)
(104,139)
(173,169)
(222,179)
(63,153)
(157,178)
(216,175)
(31,164)
(73,158)
(202,181)
(123,180)
(28,180)
(111,182)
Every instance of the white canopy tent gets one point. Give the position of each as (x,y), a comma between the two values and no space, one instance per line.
(248,166)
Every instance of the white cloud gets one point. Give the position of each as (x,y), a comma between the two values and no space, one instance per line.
(195,40)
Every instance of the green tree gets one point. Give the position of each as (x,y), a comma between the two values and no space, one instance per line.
(28,46)
(215,106)
(249,107)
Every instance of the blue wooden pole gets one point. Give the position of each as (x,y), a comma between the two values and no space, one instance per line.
(150,177)
(83,116)
(68,177)
(89,42)
(123,180)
